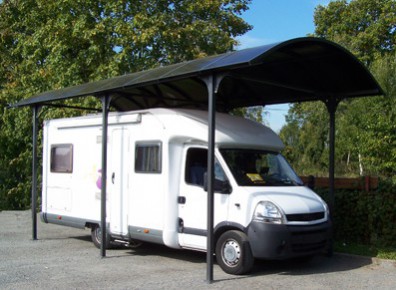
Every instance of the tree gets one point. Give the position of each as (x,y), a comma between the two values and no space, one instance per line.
(366,27)
(48,45)
(306,137)
(67,42)
(365,127)
(376,120)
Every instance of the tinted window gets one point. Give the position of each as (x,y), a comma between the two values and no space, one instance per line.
(148,158)
(62,158)
(197,164)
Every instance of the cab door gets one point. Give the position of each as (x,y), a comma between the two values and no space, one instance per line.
(193,199)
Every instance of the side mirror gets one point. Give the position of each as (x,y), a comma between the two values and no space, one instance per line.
(222,186)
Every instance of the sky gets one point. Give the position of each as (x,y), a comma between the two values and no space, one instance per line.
(275,21)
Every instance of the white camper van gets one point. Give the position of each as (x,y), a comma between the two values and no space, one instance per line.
(157,160)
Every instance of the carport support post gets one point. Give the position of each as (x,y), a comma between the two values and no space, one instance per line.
(331,104)
(210,84)
(34,172)
(105,113)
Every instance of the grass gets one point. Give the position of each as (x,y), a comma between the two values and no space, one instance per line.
(366,250)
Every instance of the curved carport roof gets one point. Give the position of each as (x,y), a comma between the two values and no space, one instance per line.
(303,69)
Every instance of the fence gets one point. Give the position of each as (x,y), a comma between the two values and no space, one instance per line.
(365,183)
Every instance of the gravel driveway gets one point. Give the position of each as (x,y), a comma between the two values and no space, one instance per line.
(65,258)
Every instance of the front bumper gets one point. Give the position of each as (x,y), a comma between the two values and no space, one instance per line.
(278,242)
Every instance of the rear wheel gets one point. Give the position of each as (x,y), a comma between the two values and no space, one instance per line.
(96,235)
(233,253)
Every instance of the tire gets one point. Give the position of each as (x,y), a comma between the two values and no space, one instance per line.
(96,236)
(233,253)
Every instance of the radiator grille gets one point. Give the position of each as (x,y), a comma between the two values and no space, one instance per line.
(305,217)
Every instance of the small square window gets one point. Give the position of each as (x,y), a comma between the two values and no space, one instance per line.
(148,158)
(62,158)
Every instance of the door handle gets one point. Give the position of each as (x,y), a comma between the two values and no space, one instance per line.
(112,177)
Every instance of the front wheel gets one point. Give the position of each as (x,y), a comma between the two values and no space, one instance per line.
(233,253)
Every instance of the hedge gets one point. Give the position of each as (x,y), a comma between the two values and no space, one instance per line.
(365,217)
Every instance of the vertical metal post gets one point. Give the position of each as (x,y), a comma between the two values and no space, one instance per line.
(211,144)
(34,172)
(105,113)
(212,84)
(331,105)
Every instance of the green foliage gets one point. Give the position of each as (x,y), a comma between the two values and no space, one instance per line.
(366,127)
(47,45)
(53,44)
(377,251)
(379,131)
(306,137)
(365,27)
(15,160)
(365,217)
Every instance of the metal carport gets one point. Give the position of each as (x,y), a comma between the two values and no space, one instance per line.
(298,70)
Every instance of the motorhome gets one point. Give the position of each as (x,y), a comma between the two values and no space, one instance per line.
(156,183)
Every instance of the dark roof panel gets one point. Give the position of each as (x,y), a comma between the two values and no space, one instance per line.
(303,69)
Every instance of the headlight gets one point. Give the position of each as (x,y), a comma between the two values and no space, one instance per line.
(327,210)
(268,212)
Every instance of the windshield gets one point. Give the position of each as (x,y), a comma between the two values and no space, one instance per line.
(260,168)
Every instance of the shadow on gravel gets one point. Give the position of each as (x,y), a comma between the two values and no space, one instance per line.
(159,250)
(83,238)
(316,265)
(147,249)
(66,237)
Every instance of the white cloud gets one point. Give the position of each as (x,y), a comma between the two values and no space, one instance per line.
(246,41)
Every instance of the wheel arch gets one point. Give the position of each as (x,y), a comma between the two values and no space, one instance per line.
(223,227)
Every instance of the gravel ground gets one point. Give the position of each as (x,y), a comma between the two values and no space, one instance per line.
(65,258)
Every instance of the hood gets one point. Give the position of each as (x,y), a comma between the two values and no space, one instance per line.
(291,199)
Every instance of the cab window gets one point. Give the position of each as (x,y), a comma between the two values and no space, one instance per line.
(196,167)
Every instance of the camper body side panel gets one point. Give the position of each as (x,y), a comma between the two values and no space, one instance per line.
(137,203)
(72,197)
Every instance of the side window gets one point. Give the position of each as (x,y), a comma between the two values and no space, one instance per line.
(196,166)
(61,158)
(148,158)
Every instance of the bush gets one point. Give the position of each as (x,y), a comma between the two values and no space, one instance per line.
(365,217)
